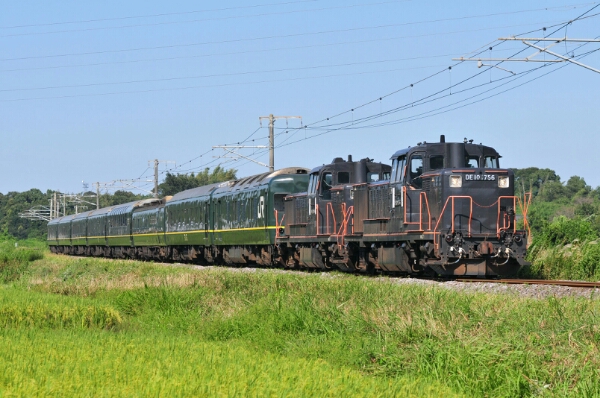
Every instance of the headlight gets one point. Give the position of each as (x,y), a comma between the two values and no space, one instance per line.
(503,182)
(455,181)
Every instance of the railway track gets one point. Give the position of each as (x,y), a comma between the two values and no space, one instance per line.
(534,282)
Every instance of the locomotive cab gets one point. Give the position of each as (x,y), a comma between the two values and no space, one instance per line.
(451,208)
(325,212)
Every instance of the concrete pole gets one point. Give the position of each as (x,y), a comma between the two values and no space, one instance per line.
(156,178)
(271,143)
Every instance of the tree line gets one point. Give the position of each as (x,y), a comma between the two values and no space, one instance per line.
(14,203)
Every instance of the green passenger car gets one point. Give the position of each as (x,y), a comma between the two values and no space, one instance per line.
(97,227)
(64,232)
(79,232)
(188,217)
(148,224)
(52,238)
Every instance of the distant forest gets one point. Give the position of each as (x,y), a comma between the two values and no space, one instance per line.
(14,203)
(551,198)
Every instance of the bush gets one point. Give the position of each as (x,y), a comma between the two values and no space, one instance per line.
(565,249)
(14,260)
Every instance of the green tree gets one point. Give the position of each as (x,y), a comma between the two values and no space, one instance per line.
(532,179)
(576,186)
(175,183)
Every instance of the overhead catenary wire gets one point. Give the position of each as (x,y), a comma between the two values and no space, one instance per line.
(258,38)
(458,104)
(265,14)
(440,91)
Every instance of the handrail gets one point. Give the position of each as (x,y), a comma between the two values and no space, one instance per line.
(420,222)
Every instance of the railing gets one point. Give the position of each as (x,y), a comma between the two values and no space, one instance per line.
(420,222)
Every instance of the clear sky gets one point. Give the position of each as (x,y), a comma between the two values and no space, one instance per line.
(91,91)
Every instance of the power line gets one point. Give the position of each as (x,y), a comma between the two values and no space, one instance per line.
(201,20)
(204,76)
(211,85)
(155,15)
(245,39)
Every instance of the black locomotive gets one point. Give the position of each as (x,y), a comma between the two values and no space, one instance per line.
(444,209)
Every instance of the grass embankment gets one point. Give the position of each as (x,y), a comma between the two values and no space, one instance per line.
(139,328)
(565,249)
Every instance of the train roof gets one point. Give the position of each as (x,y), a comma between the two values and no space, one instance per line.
(440,148)
(196,192)
(66,218)
(55,221)
(85,214)
(257,180)
(129,207)
(238,185)
(369,162)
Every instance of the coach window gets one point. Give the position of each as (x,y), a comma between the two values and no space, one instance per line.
(416,169)
(325,185)
(436,162)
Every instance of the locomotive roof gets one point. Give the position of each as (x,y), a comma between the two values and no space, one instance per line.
(438,147)
(370,162)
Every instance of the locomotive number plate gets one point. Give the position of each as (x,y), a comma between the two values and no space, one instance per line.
(480,177)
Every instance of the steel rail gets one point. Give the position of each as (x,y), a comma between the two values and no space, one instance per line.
(535,282)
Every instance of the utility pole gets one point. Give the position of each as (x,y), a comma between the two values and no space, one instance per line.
(54,207)
(97,195)
(156,163)
(272,119)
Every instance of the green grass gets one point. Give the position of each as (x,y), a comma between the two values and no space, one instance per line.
(565,249)
(295,334)
(82,326)
(15,256)
(134,364)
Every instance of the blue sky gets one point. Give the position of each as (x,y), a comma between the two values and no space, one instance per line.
(93,90)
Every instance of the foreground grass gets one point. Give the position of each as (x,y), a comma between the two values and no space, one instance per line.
(141,364)
(16,255)
(294,334)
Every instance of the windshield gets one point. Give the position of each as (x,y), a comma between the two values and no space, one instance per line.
(491,162)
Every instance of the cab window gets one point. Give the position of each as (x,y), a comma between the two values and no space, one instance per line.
(325,185)
(490,162)
(398,169)
(472,161)
(436,162)
(343,177)
(312,183)
(372,177)
(416,169)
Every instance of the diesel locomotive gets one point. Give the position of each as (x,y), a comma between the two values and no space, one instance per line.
(440,209)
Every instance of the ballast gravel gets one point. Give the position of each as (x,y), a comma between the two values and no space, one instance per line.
(525,290)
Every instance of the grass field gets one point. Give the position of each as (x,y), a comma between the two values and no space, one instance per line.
(80,326)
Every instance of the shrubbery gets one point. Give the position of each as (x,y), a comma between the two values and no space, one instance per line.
(16,256)
(566,249)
